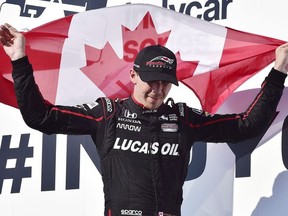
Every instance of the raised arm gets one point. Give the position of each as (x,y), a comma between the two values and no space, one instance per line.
(36,111)
(257,117)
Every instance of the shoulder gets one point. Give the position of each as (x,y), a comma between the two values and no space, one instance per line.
(178,108)
(110,106)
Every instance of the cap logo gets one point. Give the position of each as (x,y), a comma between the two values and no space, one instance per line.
(161,61)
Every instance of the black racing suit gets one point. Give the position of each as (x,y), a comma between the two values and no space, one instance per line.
(144,153)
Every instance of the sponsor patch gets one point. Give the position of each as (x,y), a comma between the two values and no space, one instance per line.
(201,112)
(173,117)
(149,111)
(109,105)
(131,212)
(137,146)
(164,117)
(130,115)
(128,127)
(134,121)
(170,117)
(92,105)
(181,109)
(169,127)
(164,214)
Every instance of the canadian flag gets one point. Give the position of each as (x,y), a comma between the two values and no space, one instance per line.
(81,57)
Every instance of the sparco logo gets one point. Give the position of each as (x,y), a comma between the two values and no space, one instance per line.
(131,212)
(109,105)
(181,109)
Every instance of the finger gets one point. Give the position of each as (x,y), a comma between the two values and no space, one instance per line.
(10,28)
(2,40)
(5,42)
(6,37)
(284,45)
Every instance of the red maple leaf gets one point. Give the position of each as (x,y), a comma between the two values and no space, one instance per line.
(107,71)
(111,73)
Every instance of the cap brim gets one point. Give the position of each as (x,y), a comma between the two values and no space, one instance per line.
(152,76)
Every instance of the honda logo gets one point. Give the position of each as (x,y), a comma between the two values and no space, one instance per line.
(130,115)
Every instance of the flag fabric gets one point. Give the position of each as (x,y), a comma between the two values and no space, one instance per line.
(87,55)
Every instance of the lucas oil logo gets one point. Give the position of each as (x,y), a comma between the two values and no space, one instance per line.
(146,148)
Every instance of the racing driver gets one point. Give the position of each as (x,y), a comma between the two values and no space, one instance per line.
(143,142)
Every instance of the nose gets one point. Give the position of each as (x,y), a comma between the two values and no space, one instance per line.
(158,86)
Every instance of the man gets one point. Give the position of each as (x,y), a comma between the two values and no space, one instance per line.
(143,143)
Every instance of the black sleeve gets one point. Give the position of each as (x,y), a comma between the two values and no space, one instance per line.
(46,117)
(237,127)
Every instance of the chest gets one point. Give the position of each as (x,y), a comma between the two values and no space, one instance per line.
(158,135)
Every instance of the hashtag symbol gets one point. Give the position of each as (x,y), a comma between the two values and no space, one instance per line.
(19,154)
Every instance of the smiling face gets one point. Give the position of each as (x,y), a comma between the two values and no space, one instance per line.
(150,94)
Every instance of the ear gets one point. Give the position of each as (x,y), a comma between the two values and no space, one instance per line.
(133,76)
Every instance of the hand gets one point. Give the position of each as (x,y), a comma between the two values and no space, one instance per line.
(281,61)
(13,42)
